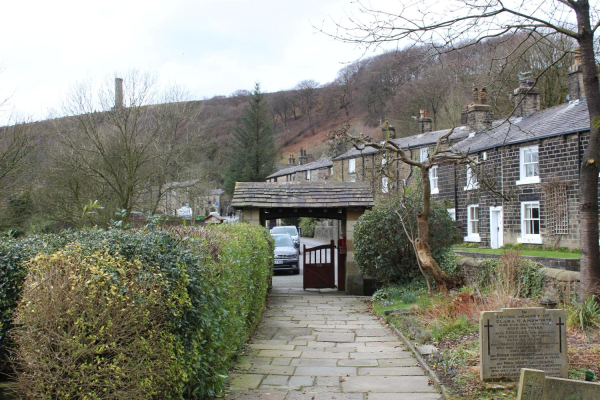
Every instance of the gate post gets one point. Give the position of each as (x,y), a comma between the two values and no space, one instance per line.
(341,266)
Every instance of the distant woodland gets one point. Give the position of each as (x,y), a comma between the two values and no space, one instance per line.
(96,156)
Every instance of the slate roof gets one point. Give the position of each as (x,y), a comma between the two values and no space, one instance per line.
(556,121)
(302,195)
(411,142)
(318,164)
(172,185)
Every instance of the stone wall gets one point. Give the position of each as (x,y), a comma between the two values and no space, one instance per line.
(559,283)
(565,264)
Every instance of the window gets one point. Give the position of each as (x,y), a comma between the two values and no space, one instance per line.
(529,162)
(433,178)
(353,179)
(472,224)
(424,154)
(352,166)
(308,175)
(530,223)
(452,213)
(294,176)
(331,171)
(384,159)
(472,179)
(384,184)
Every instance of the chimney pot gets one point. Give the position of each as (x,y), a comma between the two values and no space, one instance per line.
(475,95)
(483,96)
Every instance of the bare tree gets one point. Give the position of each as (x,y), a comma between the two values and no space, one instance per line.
(124,139)
(308,98)
(461,24)
(441,154)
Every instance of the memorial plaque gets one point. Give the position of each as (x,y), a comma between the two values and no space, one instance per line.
(516,338)
(534,385)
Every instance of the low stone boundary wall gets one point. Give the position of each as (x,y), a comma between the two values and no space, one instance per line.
(563,283)
(323,232)
(568,264)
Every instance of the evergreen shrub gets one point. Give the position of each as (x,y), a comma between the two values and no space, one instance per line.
(381,248)
(308,226)
(212,285)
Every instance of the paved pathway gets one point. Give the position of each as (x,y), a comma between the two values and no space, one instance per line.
(326,346)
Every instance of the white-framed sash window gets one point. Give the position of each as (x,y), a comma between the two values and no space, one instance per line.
(433,179)
(472,224)
(529,165)
(384,184)
(452,213)
(530,223)
(472,179)
(351,166)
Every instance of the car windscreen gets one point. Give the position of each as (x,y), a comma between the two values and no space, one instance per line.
(283,241)
(289,230)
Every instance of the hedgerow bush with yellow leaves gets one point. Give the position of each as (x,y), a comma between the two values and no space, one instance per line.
(92,326)
(203,292)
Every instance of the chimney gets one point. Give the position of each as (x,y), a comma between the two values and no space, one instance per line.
(392,132)
(302,157)
(576,88)
(425,123)
(309,158)
(479,114)
(526,98)
(118,93)
(291,161)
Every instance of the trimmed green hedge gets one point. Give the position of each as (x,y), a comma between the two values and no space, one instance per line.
(215,279)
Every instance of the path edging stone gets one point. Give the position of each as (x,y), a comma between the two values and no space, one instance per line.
(423,363)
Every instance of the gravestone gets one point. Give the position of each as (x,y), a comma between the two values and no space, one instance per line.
(516,338)
(534,385)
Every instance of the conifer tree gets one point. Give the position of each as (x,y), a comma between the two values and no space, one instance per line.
(253,152)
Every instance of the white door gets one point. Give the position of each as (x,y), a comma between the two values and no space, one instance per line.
(496,230)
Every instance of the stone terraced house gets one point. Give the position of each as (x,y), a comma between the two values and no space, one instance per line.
(314,171)
(533,157)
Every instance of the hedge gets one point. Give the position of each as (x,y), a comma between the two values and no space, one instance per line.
(212,282)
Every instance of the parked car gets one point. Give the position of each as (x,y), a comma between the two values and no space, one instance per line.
(286,254)
(290,230)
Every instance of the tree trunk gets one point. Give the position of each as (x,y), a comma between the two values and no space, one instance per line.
(588,180)
(443,281)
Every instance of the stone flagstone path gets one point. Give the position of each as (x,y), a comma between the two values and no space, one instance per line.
(326,346)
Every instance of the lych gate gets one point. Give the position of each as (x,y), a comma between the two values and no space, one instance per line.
(343,201)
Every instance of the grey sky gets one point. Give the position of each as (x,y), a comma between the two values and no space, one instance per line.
(209,47)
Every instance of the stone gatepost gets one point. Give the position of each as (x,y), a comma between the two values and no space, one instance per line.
(354,279)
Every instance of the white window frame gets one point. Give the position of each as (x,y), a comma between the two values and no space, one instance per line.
(424,154)
(434,187)
(525,237)
(352,179)
(452,212)
(384,185)
(528,180)
(472,236)
(352,166)
(331,171)
(471,183)
(308,174)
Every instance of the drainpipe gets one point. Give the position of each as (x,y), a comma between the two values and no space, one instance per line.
(579,155)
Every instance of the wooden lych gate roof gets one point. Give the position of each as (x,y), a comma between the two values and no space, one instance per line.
(302,195)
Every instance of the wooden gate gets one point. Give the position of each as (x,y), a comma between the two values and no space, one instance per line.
(319,266)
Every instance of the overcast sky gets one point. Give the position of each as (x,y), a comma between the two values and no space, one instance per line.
(211,47)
